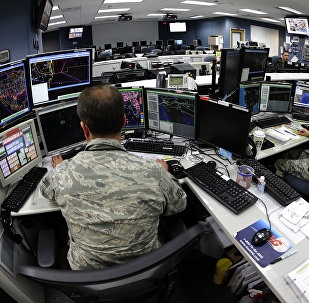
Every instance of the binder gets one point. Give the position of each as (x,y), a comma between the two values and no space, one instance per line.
(298,279)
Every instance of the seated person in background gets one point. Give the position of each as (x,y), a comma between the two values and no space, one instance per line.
(111,199)
(293,167)
(284,60)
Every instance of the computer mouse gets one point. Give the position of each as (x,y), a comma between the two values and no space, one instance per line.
(212,164)
(175,168)
(261,237)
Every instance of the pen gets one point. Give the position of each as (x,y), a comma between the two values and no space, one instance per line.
(283,257)
(291,133)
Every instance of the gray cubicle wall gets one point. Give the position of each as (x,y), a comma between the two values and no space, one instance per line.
(124,31)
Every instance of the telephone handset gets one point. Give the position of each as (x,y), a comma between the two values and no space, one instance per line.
(161,80)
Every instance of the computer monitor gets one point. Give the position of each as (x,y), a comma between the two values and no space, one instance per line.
(159,43)
(14,96)
(134,107)
(301,96)
(223,125)
(19,151)
(60,127)
(178,41)
(119,44)
(135,43)
(249,96)
(172,112)
(253,64)
(107,46)
(229,71)
(178,81)
(143,43)
(170,42)
(57,76)
(275,97)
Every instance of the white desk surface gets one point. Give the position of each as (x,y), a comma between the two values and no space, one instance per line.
(230,223)
(287,76)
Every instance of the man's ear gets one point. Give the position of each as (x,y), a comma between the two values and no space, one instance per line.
(85,130)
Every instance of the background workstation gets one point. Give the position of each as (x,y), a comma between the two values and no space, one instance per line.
(20,43)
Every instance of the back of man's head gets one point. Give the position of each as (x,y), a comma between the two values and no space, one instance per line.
(101,107)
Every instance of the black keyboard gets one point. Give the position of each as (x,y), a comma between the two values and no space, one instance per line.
(155,146)
(23,189)
(282,192)
(229,193)
(272,121)
(300,116)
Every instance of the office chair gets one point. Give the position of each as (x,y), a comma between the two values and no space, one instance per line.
(301,185)
(276,61)
(150,278)
(103,56)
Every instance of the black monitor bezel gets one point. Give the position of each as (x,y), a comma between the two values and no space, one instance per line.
(65,93)
(226,133)
(20,115)
(178,92)
(142,90)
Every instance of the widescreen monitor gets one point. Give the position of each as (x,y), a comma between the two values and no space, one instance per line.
(229,71)
(19,151)
(297,25)
(134,107)
(14,95)
(178,27)
(60,127)
(223,125)
(249,96)
(253,64)
(275,97)
(172,112)
(58,76)
(76,32)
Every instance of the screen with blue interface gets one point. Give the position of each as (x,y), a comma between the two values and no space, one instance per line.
(14,97)
(249,96)
(19,151)
(172,112)
(134,107)
(59,75)
(301,96)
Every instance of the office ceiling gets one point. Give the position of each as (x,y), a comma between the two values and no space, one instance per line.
(83,12)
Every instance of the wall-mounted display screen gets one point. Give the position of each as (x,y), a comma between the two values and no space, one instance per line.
(178,27)
(297,25)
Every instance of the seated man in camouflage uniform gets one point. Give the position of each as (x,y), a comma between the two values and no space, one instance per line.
(111,199)
(293,166)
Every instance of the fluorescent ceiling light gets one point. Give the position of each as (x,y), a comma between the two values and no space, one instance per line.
(55,7)
(198,2)
(175,9)
(56,17)
(225,14)
(270,20)
(56,23)
(156,15)
(248,10)
(111,10)
(198,16)
(106,17)
(292,10)
(121,1)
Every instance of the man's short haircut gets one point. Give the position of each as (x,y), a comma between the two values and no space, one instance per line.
(101,107)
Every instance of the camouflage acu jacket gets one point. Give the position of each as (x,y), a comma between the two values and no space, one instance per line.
(111,200)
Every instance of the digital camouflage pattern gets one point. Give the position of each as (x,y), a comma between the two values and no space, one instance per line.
(294,162)
(111,200)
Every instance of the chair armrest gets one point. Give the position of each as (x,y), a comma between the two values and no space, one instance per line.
(168,255)
(47,248)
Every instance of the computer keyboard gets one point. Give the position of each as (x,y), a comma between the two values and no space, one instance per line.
(282,192)
(229,193)
(23,189)
(155,146)
(272,121)
(300,116)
